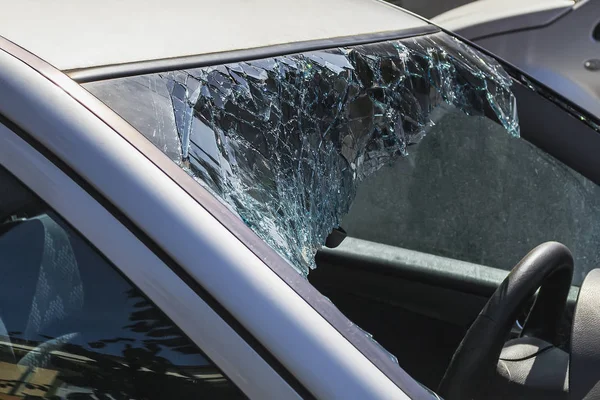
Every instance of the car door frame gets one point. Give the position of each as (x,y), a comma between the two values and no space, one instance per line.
(59,134)
(194,316)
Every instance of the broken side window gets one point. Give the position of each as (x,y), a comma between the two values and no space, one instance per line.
(285,141)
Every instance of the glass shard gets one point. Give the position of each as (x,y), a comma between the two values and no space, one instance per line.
(285,141)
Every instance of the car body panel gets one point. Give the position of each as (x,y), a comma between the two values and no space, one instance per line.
(92,74)
(71,38)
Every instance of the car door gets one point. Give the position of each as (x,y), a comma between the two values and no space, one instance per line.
(430,234)
(274,326)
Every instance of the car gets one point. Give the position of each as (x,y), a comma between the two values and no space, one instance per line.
(528,33)
(276,200)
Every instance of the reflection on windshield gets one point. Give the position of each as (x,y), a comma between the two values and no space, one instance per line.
(285,141)
(137,365)
(71,328)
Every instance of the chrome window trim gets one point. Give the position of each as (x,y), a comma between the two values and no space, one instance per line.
(260,249)
(321,358)
(226,349)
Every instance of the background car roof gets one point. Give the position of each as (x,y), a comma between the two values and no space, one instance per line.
(75,34)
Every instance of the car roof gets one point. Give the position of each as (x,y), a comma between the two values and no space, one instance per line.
(75,34)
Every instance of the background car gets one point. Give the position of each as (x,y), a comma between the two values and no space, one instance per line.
(429,8)
(557,42)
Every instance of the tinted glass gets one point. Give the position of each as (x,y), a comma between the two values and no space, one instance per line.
(72,327)
(470,192)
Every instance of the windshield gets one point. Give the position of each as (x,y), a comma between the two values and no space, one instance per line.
(285,141)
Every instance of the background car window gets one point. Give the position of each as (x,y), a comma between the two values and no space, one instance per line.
(470,192)
(72,327)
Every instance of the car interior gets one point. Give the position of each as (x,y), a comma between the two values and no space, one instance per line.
(422,259)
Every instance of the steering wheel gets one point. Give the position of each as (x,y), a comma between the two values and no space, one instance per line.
(549,268)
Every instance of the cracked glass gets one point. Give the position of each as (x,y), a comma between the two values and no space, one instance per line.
(285,141)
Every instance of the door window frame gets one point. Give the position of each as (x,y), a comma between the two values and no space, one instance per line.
(106,156)
(222,344)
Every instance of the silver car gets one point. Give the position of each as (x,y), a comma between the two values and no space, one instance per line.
(273,200)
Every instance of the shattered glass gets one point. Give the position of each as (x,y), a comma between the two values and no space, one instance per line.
(285,141)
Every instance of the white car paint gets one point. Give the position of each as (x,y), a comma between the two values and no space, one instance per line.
(74,34)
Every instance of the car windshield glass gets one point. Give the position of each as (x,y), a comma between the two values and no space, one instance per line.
(285,141)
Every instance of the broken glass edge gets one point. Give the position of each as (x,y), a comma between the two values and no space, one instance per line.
(283,142)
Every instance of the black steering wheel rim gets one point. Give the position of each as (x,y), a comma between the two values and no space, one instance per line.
(549,268)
